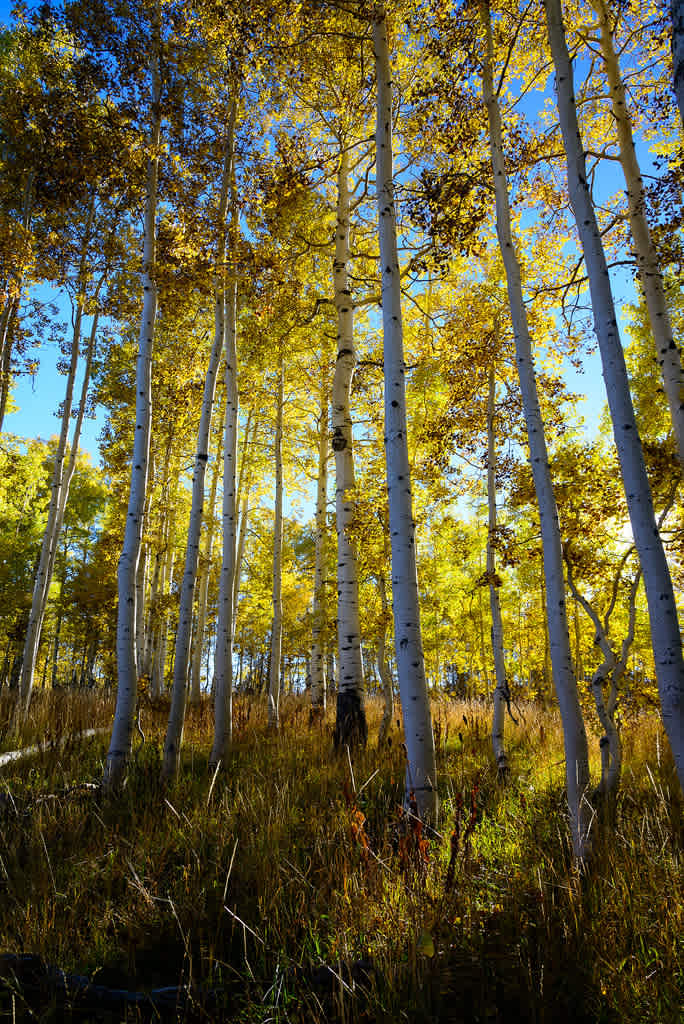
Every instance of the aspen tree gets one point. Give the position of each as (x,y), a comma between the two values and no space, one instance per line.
(204,570)
(350,725)
(243,494)
(277,597)
(501,691)
(318,650)
(127,690)
(650,275)
(574,734)
(665,632)
(181,664)
(223,664)
(421,769)
(59,488)
(381,653)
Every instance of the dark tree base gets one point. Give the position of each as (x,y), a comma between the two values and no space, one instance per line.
(350,726)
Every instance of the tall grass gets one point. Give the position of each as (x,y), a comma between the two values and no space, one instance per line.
(294,887)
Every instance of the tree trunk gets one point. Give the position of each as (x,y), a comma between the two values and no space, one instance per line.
(244,490)
(277,624)
(140,586)
(677,10)
(665,633)
(667,351)
(318,648)
(574,734)
(7,321)
(350,723)
(205,572)
(160,638)
(174,731)
(223,665)
(421,769)
(127,690)
(383,668)
(501,692)
(41,585)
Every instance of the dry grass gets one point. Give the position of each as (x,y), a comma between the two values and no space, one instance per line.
(296,890)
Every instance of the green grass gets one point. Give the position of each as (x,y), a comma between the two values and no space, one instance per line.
(288,864)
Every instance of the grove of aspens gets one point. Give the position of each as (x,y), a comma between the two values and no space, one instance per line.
(341,665)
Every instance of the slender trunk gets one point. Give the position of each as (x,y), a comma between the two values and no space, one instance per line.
(350,724)
(381,661)
(146,671)
(574,734)
(609,672)
(12,302)
(677,10)
(318,648)
(174,732)
(160,641)
(41,585)
(223,665)
(244,490)
(665,633)
(205,572)
(277,625)
(421,769)
(501,692)
(127,690)
(140,581)
(7,321)
(667,351)
(61,484)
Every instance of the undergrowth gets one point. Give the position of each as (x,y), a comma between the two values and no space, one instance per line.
(294,886)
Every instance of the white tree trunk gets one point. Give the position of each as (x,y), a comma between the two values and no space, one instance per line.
(160,636)
(350,724)
(140,588)
(665,633)
(574,734)
(421,769)
(181,664)
(667,351)
(383,667)
(318,648)
(277,622)
(127,690)
(501,693)
(205,572)
(41,586)
(223,664)
(61,481)
(244,490)
(677,9)
(150,631)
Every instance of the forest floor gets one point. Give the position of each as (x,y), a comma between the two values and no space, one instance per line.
(292,887)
